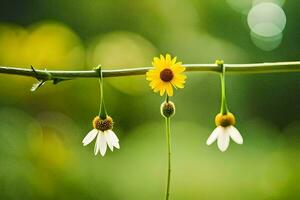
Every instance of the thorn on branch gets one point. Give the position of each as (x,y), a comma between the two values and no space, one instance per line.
(40,81)
(37,85)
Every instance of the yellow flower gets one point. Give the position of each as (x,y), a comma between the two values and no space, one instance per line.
(166,74)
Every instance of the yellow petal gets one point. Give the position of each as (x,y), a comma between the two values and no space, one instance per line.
(158,86)
(178,68)
(154,83)
(156,62)
(174,60)
(169,90)
(162,91)
(168,58)
(162,58)
(179,77)
(152,74)
(178,84)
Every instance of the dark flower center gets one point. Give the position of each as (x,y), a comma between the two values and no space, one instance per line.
(103,124)
(166,75)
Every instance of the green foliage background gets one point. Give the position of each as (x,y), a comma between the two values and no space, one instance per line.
(41,155)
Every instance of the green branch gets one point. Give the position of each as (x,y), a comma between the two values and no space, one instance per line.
(230,68)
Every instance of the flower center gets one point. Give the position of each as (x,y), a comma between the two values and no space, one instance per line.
(225,120)
(166,75)
(103,124)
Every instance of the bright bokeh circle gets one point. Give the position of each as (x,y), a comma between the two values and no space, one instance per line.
(266,19)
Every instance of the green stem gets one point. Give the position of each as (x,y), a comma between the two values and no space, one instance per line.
(102,109)
(224,107)
(167,98)
(258,68)
(169,156)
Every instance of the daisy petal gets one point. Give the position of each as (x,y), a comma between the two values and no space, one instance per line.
(115,140)
(89,137)
(109,140)
(102,144)
(235,135)
(214,135)
(97,144)
(223,140)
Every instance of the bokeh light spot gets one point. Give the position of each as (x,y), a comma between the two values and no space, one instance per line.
(120,49)
(266,43)
(266,19)
(278,2)
(241,6)
(46,44)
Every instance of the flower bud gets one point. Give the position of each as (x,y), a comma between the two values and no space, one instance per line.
(167,109)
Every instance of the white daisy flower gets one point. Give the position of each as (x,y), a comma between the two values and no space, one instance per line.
(104,134)
(224,131)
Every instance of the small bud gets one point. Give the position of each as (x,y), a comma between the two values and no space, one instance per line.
(103,124)
(225,120)
(219,62)
(167,109)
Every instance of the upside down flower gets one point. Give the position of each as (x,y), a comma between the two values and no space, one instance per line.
(224,131)
(166,74)
(105,136)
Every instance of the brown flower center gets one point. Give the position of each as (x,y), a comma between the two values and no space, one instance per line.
(166,75)
(103,124)
(225,120)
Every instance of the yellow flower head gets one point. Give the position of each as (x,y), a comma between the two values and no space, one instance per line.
(166,74)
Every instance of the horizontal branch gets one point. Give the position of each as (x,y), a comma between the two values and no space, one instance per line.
(232,68)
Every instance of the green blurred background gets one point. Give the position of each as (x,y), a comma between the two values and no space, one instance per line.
(41,155)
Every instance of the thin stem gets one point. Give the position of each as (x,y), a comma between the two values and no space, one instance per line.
(231,68)
(224,107)
(167,98)
(169,156)
(102,109)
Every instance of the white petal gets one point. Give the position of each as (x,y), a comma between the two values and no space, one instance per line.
(115,140)
(89,137)
(102,143)
(223,140)
(235,135)
(214,135)
(97,144)
(109,140)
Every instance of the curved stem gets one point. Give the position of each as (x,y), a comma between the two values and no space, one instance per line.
(169,156)
(231,68)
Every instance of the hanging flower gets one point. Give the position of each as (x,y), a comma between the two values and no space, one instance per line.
(224,131)
(166,74)
(105,136)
